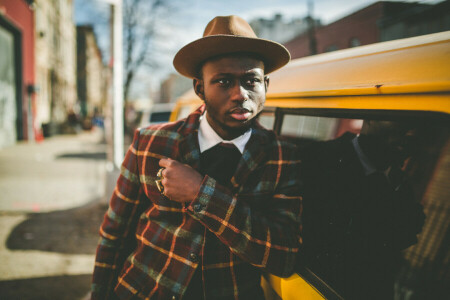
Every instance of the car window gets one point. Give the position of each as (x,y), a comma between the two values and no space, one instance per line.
(392,238)
(267,119)
(158,117)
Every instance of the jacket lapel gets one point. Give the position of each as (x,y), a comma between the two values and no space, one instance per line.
(256,151)
(188,148)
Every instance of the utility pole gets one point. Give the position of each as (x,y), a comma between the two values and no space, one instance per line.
(311,29)
(116,28)
(116,95)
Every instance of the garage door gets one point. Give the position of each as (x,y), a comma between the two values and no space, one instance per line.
(8,113)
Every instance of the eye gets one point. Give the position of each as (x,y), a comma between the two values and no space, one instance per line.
(224,81)
(252,81)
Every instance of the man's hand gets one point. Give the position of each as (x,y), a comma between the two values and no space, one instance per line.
(181,182)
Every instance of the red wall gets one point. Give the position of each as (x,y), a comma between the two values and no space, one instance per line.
(361,24)
(21,16)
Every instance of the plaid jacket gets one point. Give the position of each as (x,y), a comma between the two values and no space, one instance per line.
(151,246)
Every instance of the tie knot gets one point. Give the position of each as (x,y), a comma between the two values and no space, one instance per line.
(220,162)
(227,145)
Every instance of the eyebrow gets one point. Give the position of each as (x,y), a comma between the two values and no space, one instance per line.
(247,73)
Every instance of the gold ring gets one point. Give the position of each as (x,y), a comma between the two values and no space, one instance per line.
(159,178)
(160,186)
(159,175)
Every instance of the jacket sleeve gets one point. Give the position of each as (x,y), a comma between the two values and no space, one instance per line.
(117,229)
(262,229)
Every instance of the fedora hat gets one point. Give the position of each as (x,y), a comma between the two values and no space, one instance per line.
(226,35)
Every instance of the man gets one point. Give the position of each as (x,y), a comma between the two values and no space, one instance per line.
(204,205)
(358,209)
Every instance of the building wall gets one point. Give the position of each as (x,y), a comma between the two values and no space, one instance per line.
(359,28)
(56,60)
(361,25)
(18,18)
(278,29)
(378,22)
(90,73)
(173,87)
(420,20)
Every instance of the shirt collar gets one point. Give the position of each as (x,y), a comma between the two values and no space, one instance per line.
(208,138)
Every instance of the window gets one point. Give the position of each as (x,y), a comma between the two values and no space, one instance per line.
(267,119)
(309,127)
(354,42)
(159,117)
(331,48)
(363,228)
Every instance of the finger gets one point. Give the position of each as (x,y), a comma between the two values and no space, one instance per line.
(167,189)
(164,182)
(164,162)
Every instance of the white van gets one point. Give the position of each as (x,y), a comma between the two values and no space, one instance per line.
(157,113)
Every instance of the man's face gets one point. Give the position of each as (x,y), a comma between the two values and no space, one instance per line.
(234,90)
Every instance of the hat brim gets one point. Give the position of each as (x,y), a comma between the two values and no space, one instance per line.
(189,58)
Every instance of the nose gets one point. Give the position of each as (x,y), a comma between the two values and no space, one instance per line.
(239,93)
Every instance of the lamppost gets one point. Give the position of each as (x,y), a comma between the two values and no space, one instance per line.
(115,147)
(117,86)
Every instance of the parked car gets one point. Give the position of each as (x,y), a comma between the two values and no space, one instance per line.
(157,113)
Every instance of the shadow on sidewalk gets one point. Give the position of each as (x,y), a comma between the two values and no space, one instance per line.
(59,287)
(84,155)
(73,231)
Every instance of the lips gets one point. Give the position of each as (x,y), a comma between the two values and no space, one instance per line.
(240,114)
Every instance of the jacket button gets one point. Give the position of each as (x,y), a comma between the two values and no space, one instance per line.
(193,257)
(198,207)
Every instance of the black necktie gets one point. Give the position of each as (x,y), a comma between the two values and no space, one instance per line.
(220,162)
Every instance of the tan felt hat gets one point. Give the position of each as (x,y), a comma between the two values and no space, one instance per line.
(225,35)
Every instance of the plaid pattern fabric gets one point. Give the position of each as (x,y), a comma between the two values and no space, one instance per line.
(150,246)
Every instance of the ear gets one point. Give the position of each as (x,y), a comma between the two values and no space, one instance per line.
(266,82)
(199,88)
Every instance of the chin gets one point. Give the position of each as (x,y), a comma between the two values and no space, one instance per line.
(242,124)
(236,127)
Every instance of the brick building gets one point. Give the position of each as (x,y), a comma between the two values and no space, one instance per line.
(173,87)
(55,63)
(91,79)
(381,21)
(416,21)
(280,30)
(17,76)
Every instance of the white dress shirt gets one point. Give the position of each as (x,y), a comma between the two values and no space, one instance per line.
(208,138)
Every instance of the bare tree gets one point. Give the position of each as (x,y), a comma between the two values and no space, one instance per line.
(142,23)
(141,18)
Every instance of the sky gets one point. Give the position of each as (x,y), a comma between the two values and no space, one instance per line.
(189,18)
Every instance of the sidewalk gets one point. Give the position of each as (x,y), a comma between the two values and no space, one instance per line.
(50,212)
(61,172)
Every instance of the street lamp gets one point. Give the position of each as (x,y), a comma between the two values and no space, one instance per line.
(117,89)
(113,167)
